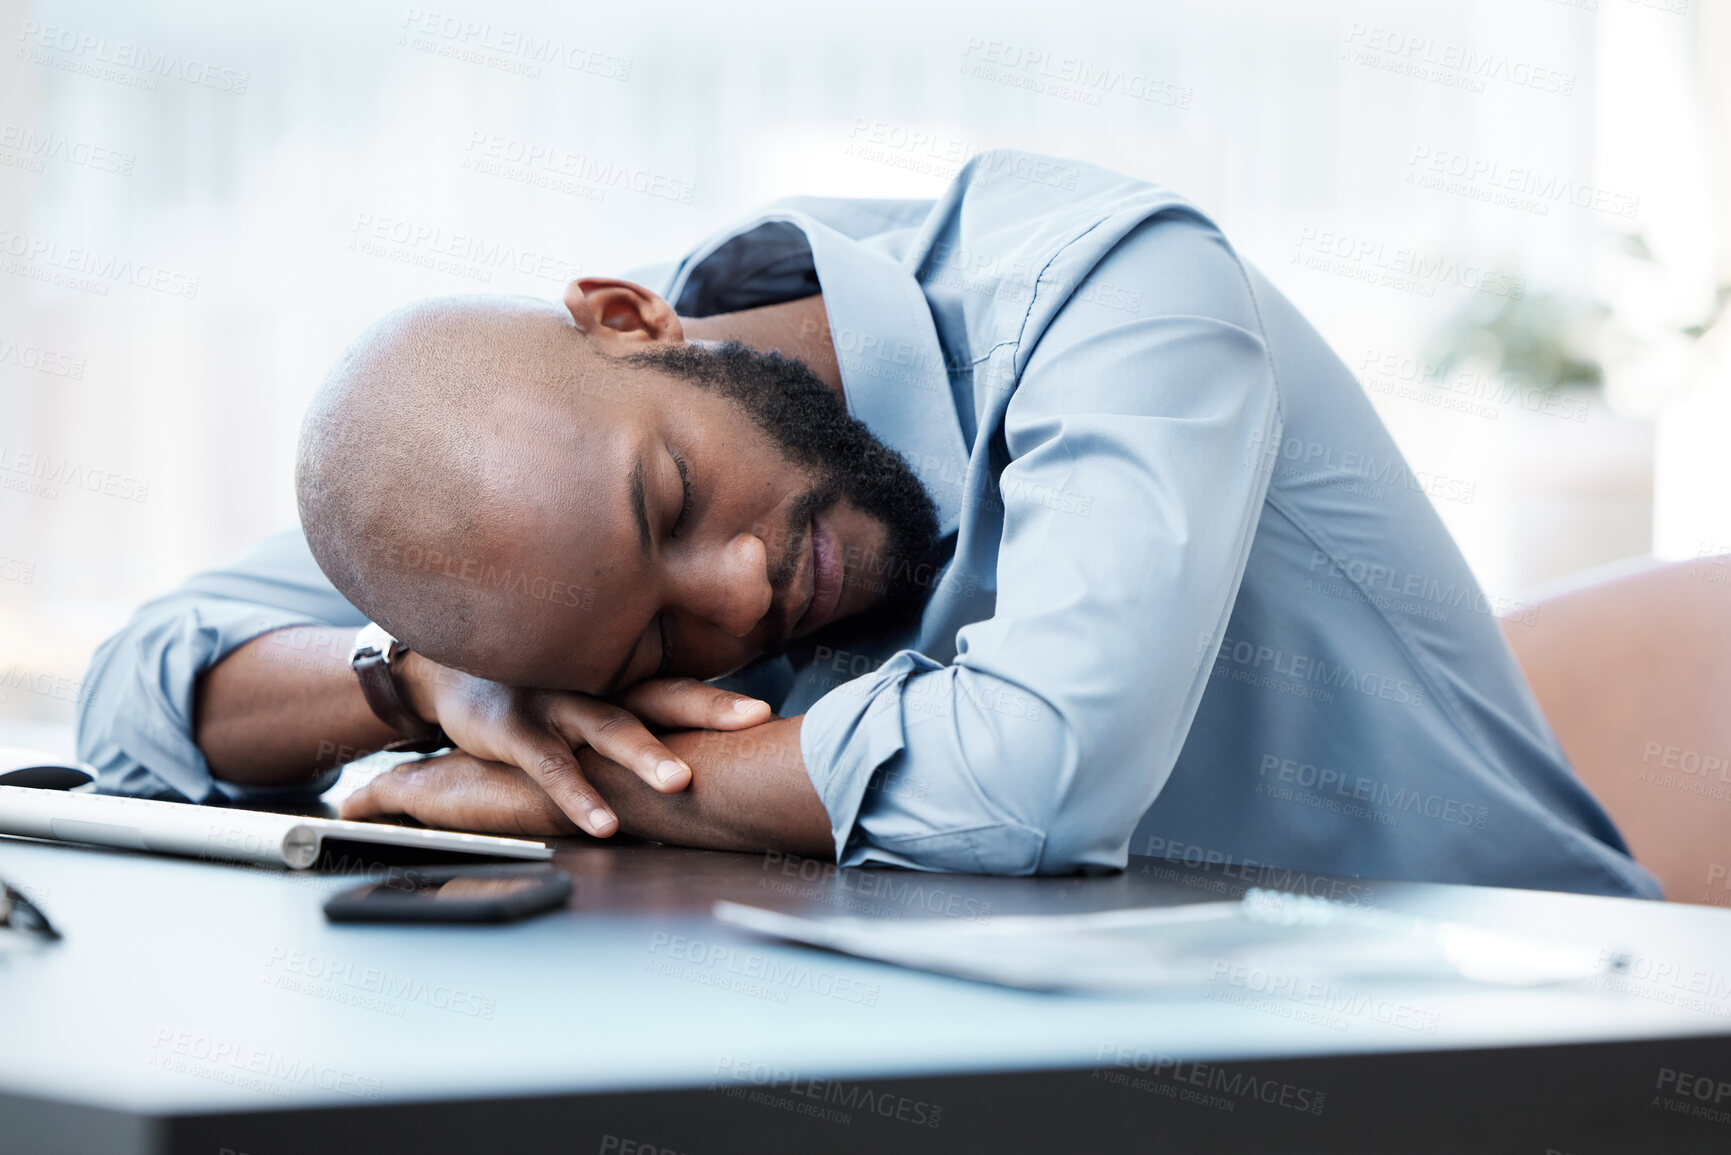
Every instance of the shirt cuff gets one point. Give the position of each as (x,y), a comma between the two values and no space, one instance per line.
(850,732)
(135,722)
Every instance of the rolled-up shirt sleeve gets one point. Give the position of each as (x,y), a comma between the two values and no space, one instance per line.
(135,712)
(1138,465)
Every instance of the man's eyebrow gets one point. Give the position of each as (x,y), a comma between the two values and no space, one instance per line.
(640,506)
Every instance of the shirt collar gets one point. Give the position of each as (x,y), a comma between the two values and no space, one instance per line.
(892,366)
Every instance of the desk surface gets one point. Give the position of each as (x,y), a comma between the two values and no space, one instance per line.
(194,1003)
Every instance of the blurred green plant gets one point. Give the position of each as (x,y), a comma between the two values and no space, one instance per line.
(1551,338)
(1548,339)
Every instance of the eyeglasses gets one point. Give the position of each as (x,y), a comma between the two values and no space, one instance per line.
(20,914)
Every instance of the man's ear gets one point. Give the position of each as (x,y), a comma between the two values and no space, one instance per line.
(621,313)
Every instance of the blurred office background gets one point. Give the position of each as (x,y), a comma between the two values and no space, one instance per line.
(1512,218)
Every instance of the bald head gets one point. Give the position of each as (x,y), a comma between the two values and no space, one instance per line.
(422,447)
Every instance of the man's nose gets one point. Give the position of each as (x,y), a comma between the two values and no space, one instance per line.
(735,593)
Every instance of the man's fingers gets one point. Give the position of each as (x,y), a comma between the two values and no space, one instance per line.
(615,732)
(688,704)
(461,792)
(549,760)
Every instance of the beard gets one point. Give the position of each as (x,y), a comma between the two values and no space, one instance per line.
(813,428)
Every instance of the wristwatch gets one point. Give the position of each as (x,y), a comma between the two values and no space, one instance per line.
(374,652)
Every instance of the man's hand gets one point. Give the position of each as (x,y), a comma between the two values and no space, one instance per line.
(459,791)
(750,792)
(538,733)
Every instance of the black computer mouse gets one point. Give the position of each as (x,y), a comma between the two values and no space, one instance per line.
(45,777)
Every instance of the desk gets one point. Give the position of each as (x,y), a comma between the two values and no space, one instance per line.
(206,1008)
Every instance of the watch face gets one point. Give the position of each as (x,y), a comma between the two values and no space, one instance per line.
(372,642)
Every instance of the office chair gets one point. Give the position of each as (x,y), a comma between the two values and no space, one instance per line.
(1633,671)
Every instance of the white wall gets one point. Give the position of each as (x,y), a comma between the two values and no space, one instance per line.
(1266,113)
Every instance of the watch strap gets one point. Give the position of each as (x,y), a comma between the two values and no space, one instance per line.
(371,661)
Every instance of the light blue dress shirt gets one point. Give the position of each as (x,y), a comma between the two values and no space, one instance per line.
(1191,603)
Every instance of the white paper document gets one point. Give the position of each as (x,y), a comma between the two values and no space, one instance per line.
(1284,940)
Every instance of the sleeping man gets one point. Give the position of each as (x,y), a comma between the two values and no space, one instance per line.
(1031,527)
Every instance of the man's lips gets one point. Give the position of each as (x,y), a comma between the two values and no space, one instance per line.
(826,583)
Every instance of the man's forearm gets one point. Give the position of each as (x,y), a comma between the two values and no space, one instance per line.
(283,707)
(749,791)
